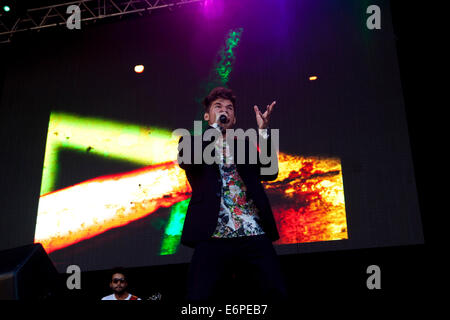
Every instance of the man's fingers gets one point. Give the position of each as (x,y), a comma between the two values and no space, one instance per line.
(257,111)
(271,106)
(269,109)
(265,113)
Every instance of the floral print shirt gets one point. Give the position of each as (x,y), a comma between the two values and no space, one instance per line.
(238,215)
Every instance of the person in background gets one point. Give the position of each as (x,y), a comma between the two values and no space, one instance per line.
(118,285)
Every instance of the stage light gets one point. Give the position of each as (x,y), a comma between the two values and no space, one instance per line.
(139,68)
(6,8)
(313,78)
(213,9)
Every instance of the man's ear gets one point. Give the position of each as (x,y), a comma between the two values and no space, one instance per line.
(206,116)
(234,121)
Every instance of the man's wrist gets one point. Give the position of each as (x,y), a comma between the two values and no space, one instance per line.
(264,132)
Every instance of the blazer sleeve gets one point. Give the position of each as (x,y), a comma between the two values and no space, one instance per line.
(189,164)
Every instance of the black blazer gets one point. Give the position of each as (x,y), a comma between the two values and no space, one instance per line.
(205,180)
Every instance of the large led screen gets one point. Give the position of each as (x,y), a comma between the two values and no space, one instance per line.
(112,192)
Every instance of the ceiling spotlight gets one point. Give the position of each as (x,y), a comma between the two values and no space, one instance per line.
(313,78)
(139,68)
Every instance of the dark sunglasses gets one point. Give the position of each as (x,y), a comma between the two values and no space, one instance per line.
(116,280)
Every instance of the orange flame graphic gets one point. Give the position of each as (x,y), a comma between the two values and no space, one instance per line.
(307,200)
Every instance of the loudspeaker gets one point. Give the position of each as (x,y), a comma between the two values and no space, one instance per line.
(27,273)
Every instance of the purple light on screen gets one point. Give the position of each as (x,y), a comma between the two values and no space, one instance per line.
(213,9)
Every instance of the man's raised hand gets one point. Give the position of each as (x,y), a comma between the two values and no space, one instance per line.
(262,119)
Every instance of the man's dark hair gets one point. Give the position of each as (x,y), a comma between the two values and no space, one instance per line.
(216,93)
(119,270)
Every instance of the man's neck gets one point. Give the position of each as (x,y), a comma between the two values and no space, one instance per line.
(217,127)
(121,296)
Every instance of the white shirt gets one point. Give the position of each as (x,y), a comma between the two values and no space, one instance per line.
(113,297)
(219,143)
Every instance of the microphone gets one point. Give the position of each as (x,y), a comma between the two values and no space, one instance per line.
(223,118)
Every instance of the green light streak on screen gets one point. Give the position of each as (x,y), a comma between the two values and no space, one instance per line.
(172,234)
(106,138)
(227,57)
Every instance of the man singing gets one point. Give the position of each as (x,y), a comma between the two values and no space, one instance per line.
(229,220)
